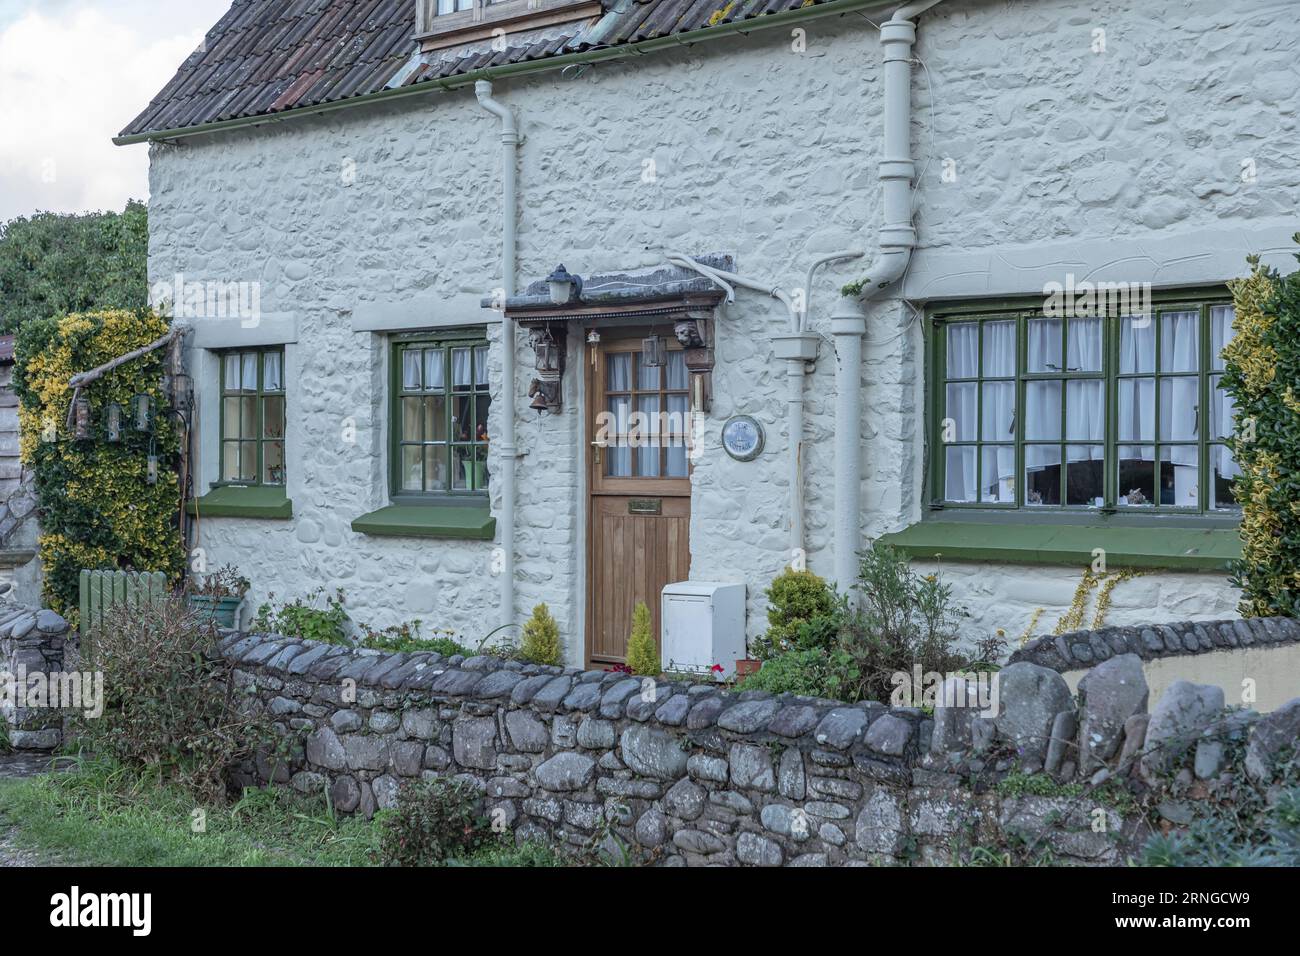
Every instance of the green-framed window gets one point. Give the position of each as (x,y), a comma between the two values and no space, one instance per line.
(252,417)
(440,417)
(1117,414)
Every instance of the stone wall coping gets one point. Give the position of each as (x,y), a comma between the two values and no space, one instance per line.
(1079,650)
(835,726)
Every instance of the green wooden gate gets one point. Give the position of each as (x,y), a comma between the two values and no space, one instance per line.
(101,591)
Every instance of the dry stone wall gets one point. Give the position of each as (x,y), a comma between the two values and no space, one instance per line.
(32,646)
(690,774)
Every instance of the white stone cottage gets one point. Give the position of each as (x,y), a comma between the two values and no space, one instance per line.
(357,202)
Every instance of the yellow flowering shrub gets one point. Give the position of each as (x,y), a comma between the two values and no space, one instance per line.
(97,507)
(1262,365)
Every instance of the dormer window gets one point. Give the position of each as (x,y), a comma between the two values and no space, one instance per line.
(444,23)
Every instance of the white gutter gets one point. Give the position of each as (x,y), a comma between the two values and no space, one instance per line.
(848,322)
(509,452)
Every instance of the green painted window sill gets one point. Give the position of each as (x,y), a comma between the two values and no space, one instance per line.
(429,521)
(232,501)
(1133,546)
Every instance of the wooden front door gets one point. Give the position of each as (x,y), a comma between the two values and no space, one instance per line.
(639,512)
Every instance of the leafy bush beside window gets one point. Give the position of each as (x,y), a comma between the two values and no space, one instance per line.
(1261,373)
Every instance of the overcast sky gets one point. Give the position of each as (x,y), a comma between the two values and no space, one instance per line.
(73,73)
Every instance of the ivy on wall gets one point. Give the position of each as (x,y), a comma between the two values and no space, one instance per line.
(1262,375)
(98,507)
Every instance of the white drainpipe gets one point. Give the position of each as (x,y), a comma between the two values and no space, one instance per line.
(509,452)
(848,322)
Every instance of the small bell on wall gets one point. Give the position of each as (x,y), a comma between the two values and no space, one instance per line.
(142,411)
(81,419)
(113,423)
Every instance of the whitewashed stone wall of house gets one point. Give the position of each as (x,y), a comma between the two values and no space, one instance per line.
(758,151)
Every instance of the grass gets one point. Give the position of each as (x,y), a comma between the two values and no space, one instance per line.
(99,814)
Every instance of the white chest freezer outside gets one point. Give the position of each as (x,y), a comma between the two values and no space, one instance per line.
(703,624)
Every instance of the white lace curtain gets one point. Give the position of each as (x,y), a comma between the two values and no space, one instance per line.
(1085,399)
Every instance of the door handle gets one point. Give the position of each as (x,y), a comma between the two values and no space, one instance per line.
(598,445)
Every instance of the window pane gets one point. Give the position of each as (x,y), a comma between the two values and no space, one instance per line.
(464,4)
(1224,469)
(273,462)
(462,374)
(248,461)
(1222,409)
(481,407)
(648,377)
(462,418)
(678,421)
(1179,335)
(959,475)
(998,476)
(272,372)
(230,373)
(230,461)
(248,418)
(435,468)
(446,6)
(1042,475)
(411,475)
(1137,476)
(620,410)
(468,466)
(1084,477)
(248,362)
(999,413)
(1137,409)
(273,417)
(619,372)
(1137,345)
(1045,351)
(961,412)
(1179,476)
(435,418)
(618,460)
(231,419)
(435,370)
(646,429)
(1085,411)
(1042,410)
(1000,349)
(1179,420)
(963,349)
(1084,353)
(1221,333)
(678,376)
(410,370)
(481,368)
(411,428)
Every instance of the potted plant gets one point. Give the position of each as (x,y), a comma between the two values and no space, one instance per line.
(746,667)
(217,596)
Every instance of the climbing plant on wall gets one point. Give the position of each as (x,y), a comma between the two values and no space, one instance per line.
(103,502)
(1263,374)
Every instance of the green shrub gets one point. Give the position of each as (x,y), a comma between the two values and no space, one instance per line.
(804,672)
(794,598)
(406,639)
(642,651)
(541,638)
(1261,369)
(1216,840)
(304,620)
(434,820)
(170,704)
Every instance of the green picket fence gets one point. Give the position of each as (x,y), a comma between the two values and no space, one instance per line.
(101,591)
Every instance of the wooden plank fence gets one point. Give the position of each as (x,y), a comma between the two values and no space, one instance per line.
(101,591)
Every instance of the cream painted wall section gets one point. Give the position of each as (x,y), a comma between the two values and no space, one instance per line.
(1260,678)
(758,151)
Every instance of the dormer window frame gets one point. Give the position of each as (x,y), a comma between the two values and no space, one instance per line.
(482,19)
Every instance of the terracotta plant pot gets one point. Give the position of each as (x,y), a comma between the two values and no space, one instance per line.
(746,667)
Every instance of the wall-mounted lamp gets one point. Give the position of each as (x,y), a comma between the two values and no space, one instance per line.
(565,288)
(653,352)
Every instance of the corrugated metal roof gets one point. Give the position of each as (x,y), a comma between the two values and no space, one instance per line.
(272,56)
